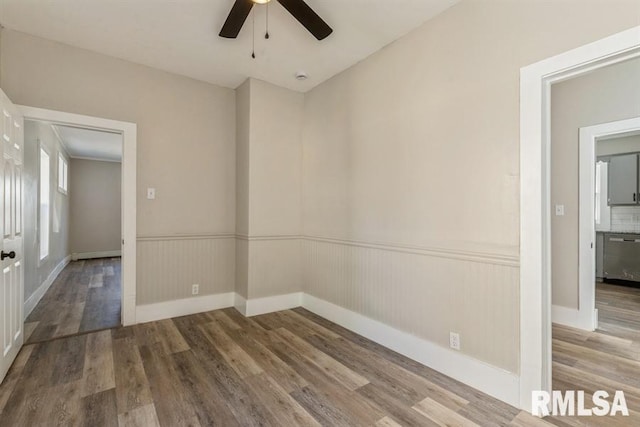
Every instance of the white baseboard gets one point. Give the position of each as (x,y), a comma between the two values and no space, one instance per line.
(494,381)
(91,255)
(35,298)
(257,306)
(573,318)
(183,307)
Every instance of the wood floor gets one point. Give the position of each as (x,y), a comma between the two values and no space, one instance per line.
(286,369)
(607,359)
(281,369)
(84,297)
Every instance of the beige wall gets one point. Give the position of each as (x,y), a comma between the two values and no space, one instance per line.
(186,149)
(36,134)
(627,144)
(418,146)
(95,208)
(269,192)
(607,95)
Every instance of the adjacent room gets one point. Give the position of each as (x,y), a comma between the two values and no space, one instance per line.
(72,228)
(319,212)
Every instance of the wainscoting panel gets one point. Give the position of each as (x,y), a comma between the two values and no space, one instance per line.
(169,266)
(424,293)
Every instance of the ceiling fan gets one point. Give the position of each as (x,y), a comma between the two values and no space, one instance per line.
(298,8)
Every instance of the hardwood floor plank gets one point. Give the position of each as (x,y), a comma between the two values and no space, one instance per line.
(387,422)
(169,395)
(442,415)
(69,365)
(142,416)
(131,380)
(207,402)
(359,407)
(330,366)
(269,362)
(98,365)
(326,410)
(391,406)
(99,409)
(281,405)
(235,356)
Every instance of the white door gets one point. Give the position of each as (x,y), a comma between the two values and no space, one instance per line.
(11,246)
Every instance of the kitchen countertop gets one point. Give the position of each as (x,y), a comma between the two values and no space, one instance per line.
(618,232)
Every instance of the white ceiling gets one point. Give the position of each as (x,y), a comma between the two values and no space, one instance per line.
(90,144)
(182,36)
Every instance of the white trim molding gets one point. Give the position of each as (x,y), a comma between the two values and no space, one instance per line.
(35,298)
(506,256)
(535,211)
(580,319)
(183,307)
(258,306)
(489,379)
(585,316)
(129,185)
(187,237)
(92,255)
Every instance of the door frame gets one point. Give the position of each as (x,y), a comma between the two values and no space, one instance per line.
(535,192)
(128,192)
(586,317)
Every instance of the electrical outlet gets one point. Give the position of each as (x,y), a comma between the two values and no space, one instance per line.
(195,289)
(454,340)
(559,210)
(151,193)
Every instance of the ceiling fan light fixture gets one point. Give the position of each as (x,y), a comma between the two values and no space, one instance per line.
(261,1)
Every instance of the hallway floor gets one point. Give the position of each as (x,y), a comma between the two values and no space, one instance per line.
(84,297)
(606,359)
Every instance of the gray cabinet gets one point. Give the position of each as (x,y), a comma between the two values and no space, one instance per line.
(623,180)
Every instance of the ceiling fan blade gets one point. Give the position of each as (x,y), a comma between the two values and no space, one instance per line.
(236,18)
(307,17)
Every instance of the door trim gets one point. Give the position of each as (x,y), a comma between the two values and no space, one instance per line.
(586,315)
(129,185)
(535,205)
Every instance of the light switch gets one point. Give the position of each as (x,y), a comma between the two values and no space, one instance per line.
(559,210)
(151,193)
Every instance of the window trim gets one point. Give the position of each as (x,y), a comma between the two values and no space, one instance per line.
(64,189)
(42,259)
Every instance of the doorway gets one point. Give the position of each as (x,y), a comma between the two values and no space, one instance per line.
(73,229)
(128,133)
(535,207)
(609,219)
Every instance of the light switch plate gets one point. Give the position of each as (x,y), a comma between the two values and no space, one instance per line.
(151,193)
(559,210)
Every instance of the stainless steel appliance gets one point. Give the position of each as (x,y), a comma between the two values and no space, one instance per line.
(622,256)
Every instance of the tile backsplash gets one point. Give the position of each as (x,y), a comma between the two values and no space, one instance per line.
(625,218)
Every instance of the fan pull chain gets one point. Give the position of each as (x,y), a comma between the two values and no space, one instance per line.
(253,35)
(266,35)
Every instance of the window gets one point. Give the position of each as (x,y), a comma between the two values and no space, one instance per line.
(63,171)
(44,203)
